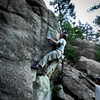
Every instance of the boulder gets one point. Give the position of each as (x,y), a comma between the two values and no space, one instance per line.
(42,88)
(24,25)
(62,95)
(91,67)
(59,94)
(85,48)
(77,88)
(15,80)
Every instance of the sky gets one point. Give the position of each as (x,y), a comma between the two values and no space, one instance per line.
(81,7)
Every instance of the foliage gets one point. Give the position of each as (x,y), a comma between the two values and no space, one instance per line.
(66,28)
(71,54)
(97,20)
(95,7)
(64,10)
(77,32)
(87,31)
(74,33)
(98,53)
(55,92)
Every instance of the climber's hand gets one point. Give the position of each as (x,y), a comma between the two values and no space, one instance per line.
(52,40)
(48,37)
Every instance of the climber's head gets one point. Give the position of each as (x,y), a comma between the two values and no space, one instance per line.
(64,36)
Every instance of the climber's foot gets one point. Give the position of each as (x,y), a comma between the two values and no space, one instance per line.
(40,74)
(35,67)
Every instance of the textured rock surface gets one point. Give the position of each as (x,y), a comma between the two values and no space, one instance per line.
(15,80)
(85,48)
(24,26)
(78,88)
(62,95)
(42,88)
(23,31)
(91,67)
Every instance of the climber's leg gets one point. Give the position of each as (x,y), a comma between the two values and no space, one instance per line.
(56,54)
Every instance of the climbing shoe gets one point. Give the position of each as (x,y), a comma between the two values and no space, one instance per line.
(35,67)
(40,74)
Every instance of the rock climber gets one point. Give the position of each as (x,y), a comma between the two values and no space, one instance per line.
(97,87)
(55,54)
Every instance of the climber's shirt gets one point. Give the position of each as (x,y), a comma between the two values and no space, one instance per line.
(62,45)
(97,92)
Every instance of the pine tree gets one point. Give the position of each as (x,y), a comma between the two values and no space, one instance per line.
(95,7)
(88,32)
(97,20)
(64,9)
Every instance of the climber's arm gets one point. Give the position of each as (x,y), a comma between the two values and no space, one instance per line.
(54,41)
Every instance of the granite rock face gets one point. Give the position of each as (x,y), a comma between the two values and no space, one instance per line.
(78,88)
(24,25)
(23,32)
(90,66)
(85,48)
